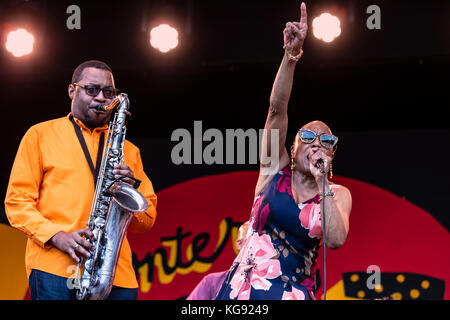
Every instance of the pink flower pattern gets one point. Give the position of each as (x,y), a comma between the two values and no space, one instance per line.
(295,294)
(284,183)
(309,284)
(257,265)
(310,218)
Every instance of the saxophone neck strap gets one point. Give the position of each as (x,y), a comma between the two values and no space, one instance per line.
(101,143)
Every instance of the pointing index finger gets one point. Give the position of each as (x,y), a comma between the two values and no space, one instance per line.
(303,14)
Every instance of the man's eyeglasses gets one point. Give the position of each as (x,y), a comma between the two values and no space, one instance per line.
(326,140)
(94,90)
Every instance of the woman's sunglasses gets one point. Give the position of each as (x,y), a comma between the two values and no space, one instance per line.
(326,140)
(94,90)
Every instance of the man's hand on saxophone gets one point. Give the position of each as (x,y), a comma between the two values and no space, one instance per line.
(73,243)
(122,170)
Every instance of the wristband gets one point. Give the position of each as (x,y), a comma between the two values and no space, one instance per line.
(329,193)
(295,58)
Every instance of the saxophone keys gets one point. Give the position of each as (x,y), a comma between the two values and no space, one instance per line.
(99,222)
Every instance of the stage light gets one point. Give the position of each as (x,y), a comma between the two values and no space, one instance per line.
(164,38)
(19,42)
(326,27)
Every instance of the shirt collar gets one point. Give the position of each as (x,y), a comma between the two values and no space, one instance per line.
(81,124)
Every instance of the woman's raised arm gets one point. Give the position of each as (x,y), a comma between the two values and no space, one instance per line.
(277,119)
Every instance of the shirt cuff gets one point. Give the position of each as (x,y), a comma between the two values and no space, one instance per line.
(45,233)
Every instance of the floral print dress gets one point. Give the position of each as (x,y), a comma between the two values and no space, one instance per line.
(277,259)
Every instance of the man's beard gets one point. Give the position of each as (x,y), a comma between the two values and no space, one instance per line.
(93,122)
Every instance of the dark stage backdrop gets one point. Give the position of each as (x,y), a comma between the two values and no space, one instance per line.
(384,93)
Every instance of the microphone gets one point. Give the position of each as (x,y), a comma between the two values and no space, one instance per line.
(321,165)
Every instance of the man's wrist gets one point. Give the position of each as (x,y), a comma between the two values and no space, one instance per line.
(52,240)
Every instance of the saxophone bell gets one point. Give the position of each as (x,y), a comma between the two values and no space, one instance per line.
(128,197)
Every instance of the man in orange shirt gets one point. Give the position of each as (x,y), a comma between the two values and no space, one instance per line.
(51,189)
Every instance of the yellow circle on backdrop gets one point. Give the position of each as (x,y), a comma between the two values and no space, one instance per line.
(400,278)
(397,296)
(414,293)
(354,278)
(425,284)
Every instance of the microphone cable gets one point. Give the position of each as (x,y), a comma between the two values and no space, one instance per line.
(324,242)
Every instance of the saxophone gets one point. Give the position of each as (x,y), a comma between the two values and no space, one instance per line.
(115,202)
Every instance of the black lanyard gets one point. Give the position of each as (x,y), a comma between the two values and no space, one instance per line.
(86,151)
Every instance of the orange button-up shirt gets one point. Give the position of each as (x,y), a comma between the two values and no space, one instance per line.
(51,189)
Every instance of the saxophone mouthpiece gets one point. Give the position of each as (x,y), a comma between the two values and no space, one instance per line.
(112,105)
